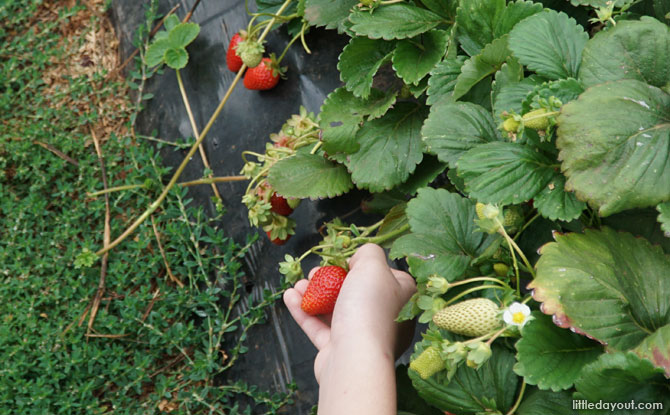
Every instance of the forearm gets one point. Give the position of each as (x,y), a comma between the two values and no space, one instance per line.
(358,379)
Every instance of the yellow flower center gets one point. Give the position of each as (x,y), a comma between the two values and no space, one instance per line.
(518,317)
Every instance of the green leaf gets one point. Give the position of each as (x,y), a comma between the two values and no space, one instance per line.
(408,398)
(156,52)
(631,50)
(490,389)
(539,402)
(359,62)
(394,21)
(662,10)
(614,142)
(511,96)
(330,14)
(429,168)
(610,286)
(505,173)
(183,34)
(480,66)
(394,220)
(622,377)
(341,116)
(555,203)
(452,128)
(640,222)
(600,3)
(656,348)
(390,148)
(309,176)
(544,347)
(444,239)
(445,8)
(176,58)
(664,217)
(479,22)
(443,79)
(511,72)
(414,58)
(170,22)
(550,44)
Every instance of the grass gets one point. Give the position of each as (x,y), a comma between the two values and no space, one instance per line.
(154,327)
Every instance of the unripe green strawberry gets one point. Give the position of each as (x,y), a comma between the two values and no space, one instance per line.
(511,125)
(536,119)
(472,318)
(427,363)
(500,269)
(486,211)
(479,208)
(513,219)
(251,52)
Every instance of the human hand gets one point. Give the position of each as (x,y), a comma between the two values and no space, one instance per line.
(364,317)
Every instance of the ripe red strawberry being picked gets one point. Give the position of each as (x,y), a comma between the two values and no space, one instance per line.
(263,77)
(280,205)
(233,61)
(323,289)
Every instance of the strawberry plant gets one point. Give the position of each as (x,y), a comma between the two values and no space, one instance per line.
(519,153)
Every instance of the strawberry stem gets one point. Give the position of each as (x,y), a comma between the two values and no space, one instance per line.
(475,279)
(316,147)
(385,237)
(471,290)
(296,37)
(207,180)
(518,399)
(194,127)
(152,208)
(496,335)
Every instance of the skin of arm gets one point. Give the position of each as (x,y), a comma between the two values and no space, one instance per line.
(359,342)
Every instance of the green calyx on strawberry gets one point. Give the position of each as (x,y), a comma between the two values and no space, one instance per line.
(323,290)
(479,353)
(489,218)
(428,363)
(233,61)
(473,318)
(258,209)
(277,241)
(264,76)
(279,228)
(290,267)
(251,52)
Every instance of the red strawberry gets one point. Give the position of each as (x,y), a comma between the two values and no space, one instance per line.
(278,241)
(323,290)
(263,77)
(280,205)
(233,61)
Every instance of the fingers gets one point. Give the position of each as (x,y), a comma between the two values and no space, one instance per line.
(316,330)
(311,272)
(368,253)
(406,282)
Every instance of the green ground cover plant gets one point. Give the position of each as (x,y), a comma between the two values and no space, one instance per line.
(154,326)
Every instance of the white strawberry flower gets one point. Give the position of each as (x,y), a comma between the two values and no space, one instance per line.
(517,314)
